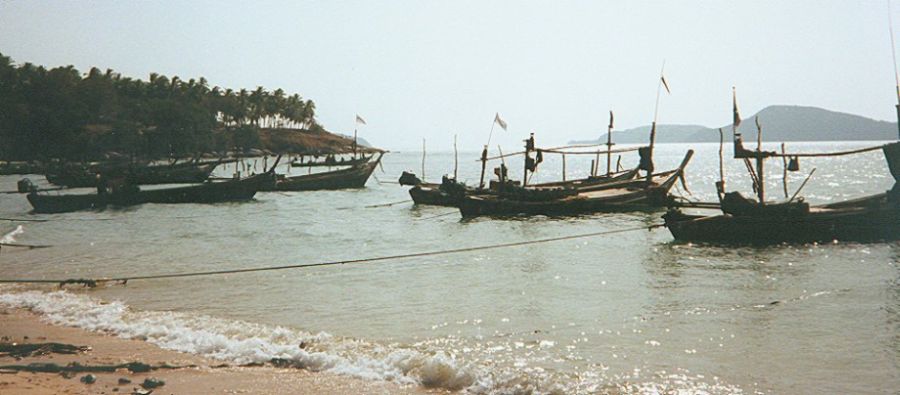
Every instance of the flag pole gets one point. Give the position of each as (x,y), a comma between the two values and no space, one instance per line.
(609,145)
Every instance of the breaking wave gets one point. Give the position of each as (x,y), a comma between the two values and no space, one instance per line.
(238,342)
(10,237)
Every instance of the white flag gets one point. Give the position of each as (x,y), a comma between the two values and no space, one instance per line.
(665,84)
(499,121)
(360,120)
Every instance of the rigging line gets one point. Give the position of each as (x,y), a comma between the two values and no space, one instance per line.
(28,246)
(348,261)
(437,215)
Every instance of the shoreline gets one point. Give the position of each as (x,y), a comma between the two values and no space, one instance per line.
(206,376)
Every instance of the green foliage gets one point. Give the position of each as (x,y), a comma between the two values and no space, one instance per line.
(60,113)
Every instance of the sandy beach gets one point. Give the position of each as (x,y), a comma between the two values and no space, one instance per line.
(206,377)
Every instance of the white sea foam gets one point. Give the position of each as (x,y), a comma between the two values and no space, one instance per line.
(10,237)
(241,342)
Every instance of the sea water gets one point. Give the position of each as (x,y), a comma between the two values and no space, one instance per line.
(629,312)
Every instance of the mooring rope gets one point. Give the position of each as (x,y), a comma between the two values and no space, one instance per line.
(94,282)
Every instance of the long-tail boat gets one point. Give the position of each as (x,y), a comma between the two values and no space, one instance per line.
(450,192)
(10,168)
(128,194)
(330,161)
(646,192)
(351,177)
(747,221)
(180,173)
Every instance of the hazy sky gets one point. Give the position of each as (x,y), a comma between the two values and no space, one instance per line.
(417,69)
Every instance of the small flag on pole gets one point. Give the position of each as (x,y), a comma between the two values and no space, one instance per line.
(360,120)
(737,115)
(499,121)
(665,83)
(610,119)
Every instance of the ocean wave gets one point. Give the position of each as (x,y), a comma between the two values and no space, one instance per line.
(241,342)
(10,237)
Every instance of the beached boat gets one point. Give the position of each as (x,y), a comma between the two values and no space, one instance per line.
(181,173)
(351,177)
(643,193)
(130,195)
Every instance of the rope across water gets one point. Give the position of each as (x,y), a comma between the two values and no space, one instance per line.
(331,263)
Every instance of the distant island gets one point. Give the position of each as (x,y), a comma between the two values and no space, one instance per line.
(61,113)
(779,123)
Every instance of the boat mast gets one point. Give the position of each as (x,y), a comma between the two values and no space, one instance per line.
(609,144)
(896,76)
(760,159)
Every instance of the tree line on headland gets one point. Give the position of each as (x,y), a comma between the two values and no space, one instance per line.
(62,113)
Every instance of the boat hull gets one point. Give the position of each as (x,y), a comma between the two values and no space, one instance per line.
(880,222)
(353,177)
(630,195)
(208,192)
(430,194)
(153,175)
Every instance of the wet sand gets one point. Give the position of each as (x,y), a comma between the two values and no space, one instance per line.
(206,378)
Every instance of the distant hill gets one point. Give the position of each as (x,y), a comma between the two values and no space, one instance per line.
(779,123)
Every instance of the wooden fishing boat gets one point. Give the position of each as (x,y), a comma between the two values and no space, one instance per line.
(181,173)
(872,218)
(746,221)
(450,193)
(130,195)
(351,177)
(10,168)
(333,162)
(643,193)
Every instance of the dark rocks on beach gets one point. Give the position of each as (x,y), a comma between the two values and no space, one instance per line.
(123,381)
(152,383)
(88,379)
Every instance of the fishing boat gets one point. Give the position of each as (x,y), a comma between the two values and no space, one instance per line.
(351,177)
(450,193)
(651,191)
(10,168)
(871,218)
(330,161)
(748,221)
(180,173)
(131,195)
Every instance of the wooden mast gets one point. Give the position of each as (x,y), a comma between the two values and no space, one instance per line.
(609,145)
(896,76)
(760,159)
(455,159)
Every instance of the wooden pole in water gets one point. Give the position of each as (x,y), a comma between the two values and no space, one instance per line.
(784,172)
(455,159)
(423,158)
(564,167)
(721,190)
(483,166)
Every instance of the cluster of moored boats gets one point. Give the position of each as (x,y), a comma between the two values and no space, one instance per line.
(125,184)
(742,220)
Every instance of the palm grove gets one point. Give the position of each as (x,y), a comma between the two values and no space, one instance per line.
(61,113)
